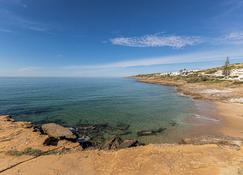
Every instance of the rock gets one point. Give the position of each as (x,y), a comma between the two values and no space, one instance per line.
(122,126)
(114,143)
(51,141)
(84,141)
(128,144)
(173,123)
(75,131)
(228,141)
(57,131)
(150,132)
(8,118)
(27,125)
(37,128)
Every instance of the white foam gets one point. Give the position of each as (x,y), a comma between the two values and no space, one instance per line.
(205,118)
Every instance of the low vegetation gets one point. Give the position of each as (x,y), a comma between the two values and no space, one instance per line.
(27,151)
(202,76)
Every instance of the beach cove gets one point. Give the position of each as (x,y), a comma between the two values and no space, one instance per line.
(109,103)
(22,148)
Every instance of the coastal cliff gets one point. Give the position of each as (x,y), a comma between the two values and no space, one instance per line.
(22,152)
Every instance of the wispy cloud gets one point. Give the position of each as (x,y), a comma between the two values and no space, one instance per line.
(232,5)
(235,37)
(126,67)
(156,40)
(214,55)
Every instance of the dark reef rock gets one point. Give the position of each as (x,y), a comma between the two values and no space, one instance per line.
(150,132)
(51,141)
(84,141)
(37,128)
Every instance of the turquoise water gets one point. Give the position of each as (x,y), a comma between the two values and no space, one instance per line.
(72,101)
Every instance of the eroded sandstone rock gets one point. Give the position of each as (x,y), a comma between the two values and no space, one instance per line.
(57,131)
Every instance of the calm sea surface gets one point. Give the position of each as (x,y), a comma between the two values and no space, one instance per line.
(98,100)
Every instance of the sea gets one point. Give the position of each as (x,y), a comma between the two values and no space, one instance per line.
(111,101)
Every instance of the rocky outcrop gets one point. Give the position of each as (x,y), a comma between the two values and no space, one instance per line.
(128,144)
(57,131)
(112,143)
(118,143)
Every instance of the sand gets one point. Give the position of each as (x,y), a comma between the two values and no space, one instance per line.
(232,115)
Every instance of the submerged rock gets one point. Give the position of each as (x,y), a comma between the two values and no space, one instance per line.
(122,126)
(57,131)
(173,123)
(150,132)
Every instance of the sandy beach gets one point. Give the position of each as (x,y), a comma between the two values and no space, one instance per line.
(227,106)
(232,114)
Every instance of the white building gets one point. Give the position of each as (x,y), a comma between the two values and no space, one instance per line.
(170,73)
(236,72)
(218,73)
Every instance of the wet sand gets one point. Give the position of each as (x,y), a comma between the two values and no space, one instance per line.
(232,115)
(206,121)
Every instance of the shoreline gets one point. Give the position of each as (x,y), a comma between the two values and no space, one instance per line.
(228,112)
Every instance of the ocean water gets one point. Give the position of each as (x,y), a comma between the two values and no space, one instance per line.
(74,101)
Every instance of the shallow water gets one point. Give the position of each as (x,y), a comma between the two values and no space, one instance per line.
(98,100)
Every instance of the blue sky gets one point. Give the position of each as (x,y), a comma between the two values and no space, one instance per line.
(117,37)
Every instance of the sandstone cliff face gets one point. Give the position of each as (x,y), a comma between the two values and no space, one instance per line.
(68,157)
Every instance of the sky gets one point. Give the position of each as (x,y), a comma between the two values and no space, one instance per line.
(96,38)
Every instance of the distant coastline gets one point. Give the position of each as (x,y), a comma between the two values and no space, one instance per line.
(226,96)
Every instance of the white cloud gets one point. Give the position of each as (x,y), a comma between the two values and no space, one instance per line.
(127,67)
(235,37)
(157,41)
(207,56)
